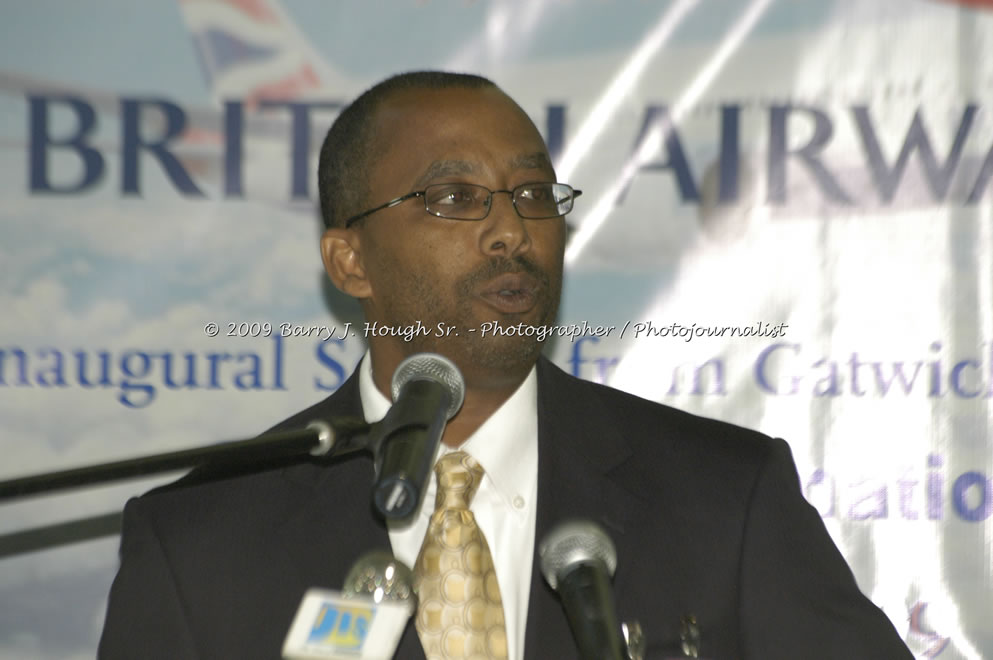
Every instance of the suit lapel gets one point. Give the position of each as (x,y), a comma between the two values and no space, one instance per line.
(328,547)
(578,448)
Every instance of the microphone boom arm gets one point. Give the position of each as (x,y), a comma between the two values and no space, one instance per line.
(319,438)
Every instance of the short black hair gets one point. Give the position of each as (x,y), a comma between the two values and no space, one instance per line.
(349,145)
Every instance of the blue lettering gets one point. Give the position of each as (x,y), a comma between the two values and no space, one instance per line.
(127,387)
(361,628)
(215,359)
(555,130)
(657,119)
(234,121)
(718,385)
(884,383)
(167,378)
(871,504)
(730,154)
(327,619)
(22,363)
(82,359)
(604,365)
(935,482)
(300,113)
(277,362)
(985,174)
(854,363)
(344,624)
(55,370)
(823,503)
(982,509)
(760,369)
(576,359)
(938,176)
(251,378)
(830,385)
(955,378)
(935,371)
(906,490)
(41,140)
(809,154)
(132,142)
(331,363)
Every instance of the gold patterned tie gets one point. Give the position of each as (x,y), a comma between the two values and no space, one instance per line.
(459,614)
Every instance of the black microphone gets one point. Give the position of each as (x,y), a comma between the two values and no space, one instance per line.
(427,391)
(578,559)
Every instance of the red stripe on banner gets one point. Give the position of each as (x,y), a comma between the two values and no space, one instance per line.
(982,4)
(257,9)
(302,80)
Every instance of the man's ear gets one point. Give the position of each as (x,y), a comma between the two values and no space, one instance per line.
(342,256)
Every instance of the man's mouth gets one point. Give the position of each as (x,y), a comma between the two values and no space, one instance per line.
(511,293)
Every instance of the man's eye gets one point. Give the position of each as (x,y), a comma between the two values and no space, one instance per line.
(537,193)
(459,196)
(452,195)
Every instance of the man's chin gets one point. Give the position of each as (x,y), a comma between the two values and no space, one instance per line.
(505,355)
(484,357)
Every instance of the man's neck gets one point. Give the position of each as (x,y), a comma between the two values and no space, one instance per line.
(478,407)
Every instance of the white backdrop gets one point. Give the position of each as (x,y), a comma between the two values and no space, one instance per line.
(787,218)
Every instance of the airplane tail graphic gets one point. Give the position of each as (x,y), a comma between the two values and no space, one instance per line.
(250,50)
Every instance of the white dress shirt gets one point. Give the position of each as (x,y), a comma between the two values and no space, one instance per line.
(506,446)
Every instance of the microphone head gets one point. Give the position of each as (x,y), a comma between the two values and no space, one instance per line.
(364,621)
(436,368)
(572,544)
(382,577)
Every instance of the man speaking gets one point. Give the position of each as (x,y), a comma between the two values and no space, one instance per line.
(442,209)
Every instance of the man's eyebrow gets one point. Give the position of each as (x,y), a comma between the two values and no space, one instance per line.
(536,161)
(442,168)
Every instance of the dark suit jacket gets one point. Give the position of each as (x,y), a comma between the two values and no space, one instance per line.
(708,520)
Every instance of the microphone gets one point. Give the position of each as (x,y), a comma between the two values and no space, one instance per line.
(427,391)
(578,559)
(364,621)
(381,576)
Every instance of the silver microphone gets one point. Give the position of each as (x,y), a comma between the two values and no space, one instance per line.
(380,576)
(427,391)
(578,560)
(363,621)
(434,368)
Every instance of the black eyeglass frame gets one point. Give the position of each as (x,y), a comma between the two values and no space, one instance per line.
(489,202)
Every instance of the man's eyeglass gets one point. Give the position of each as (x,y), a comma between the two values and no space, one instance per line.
(467,201)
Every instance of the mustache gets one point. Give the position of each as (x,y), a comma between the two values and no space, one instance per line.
(502,265)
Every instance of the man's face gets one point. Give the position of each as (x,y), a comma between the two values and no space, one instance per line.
(459,273)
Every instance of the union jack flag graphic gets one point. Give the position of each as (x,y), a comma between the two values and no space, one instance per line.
(250,50)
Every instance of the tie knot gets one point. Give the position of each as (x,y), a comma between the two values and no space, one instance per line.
(459,476)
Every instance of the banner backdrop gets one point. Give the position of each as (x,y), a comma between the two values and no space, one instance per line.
(786,223)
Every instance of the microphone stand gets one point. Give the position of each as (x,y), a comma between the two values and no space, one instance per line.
(319,439)
(56,535)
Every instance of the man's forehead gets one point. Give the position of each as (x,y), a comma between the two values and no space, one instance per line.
(405,108)
(533,161)
(456,167)
(436,97)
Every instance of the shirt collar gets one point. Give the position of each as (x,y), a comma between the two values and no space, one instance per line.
(499,445)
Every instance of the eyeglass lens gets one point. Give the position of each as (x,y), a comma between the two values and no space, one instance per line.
(468,201)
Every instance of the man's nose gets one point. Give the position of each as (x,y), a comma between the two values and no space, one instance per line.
(505,232)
